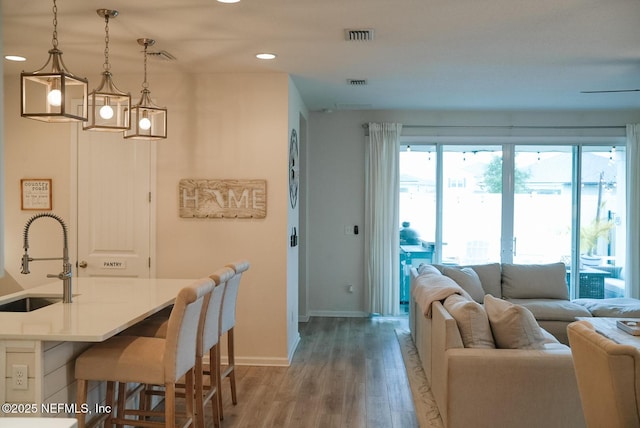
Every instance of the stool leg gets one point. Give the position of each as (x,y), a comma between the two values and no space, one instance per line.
(122,402)
(199,395)
(218,373)
(214,381)
(189,396)
(109,399)
(170,405)
(81,398)
(232,366)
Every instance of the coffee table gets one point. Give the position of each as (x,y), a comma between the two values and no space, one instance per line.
(607,327)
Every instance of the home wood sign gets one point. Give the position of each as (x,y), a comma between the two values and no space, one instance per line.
(223,198)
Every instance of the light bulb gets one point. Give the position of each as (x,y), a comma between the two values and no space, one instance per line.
(54,97)
(106,112)
(145,123)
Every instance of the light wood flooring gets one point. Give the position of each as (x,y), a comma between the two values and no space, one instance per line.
(346,372)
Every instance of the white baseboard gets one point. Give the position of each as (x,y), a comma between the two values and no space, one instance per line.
(293,348)
(339,314)
(265,361)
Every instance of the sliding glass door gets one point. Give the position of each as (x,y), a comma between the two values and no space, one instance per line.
(542,204)
(602,222)
(521,203)
(471,204)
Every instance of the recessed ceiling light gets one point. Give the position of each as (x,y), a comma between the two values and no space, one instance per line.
(265,56)
(14,58)
(229,1)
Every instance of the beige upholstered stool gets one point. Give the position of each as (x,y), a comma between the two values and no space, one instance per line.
(208,339)
(227,324)
(149,360)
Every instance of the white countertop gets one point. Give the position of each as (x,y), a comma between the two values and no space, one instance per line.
(101,308)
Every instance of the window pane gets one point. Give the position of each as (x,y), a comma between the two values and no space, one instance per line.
(602,230)
(542,204)
(472,206)
(418,191)
(417,212)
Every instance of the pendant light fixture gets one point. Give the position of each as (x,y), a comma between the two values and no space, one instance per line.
(109,108)
(47,93)
(148,121)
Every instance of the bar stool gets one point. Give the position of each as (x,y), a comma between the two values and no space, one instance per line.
(209,338)
(207,342)
(227,324)
(149,360)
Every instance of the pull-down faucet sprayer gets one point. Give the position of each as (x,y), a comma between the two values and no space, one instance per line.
(65,275)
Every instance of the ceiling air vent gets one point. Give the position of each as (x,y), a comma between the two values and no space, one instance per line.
(356,82)
(359,35)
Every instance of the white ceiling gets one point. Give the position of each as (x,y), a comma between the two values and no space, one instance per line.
(426,54)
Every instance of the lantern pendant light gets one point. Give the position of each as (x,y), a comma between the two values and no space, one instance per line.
(148,121)
(109,108)
(47,93)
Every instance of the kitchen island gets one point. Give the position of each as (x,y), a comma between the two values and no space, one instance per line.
(45,342)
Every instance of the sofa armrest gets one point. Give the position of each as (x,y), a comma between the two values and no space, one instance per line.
(444,335)
(505,387)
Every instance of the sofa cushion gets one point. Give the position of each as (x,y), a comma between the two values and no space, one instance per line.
(468,279)
(535,281)
(427,269)
(472,321)
(551,343)
(430,285)
(489,275)
(513,326)
(618,307)
(552,309)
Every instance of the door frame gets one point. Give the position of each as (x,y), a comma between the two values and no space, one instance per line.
(73,200)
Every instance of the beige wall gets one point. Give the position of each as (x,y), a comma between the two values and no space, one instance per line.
(220,126)
(33,149)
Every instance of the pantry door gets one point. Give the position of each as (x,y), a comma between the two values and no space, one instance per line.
(115,220)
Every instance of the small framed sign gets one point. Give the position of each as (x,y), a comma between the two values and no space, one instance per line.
(35,194)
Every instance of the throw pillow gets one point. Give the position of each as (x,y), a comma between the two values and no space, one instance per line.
(472,321)
(468,279)
(513,326)
(424,269)
(535,281)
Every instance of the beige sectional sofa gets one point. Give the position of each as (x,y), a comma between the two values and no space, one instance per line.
(540,288)
(479,386)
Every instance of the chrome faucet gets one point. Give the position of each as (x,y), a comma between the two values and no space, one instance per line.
(65,275)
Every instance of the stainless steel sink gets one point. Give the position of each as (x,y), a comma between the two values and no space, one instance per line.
(28,303)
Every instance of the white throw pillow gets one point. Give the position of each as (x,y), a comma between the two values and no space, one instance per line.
(468,280)
(513,326)
(472,321)
(426,269)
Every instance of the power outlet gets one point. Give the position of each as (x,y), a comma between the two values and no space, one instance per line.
(20,376)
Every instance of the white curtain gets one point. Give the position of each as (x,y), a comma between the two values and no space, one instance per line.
(632,266)
(381,234)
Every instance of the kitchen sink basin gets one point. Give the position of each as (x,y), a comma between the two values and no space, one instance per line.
(28,303)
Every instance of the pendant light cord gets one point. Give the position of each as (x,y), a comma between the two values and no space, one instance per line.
(54,41)
(106,64)
(145,85)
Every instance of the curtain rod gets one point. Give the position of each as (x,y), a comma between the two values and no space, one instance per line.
(366,126)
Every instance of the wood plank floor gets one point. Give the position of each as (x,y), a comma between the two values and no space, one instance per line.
(346,372)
